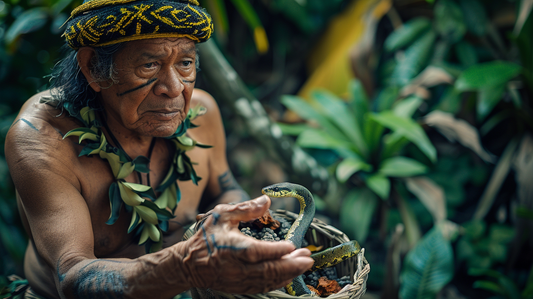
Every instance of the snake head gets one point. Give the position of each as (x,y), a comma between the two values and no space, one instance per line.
(280,190)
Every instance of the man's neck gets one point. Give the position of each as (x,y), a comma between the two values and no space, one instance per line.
(131,142)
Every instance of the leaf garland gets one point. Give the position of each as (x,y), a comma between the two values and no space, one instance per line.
(149,215)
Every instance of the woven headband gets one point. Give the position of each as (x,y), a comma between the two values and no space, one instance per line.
(99,23)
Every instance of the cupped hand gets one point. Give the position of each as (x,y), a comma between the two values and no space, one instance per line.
(219,257)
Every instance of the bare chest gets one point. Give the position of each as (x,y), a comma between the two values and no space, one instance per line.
(113,240)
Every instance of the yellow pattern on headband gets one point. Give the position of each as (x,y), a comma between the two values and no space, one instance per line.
(105,22)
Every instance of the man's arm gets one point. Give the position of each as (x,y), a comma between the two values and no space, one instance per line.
(222,186)
(43,167)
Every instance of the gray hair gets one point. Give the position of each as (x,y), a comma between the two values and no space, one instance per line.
(69,88)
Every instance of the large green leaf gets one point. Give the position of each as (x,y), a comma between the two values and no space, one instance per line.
(408,129)
(349,166)
(488,97)
(293,130)
(407,107)
(357,212)
(358,101)
(428,267)
(406,34)
(449,21)
(309,113)
(380,184)
(415,59)
(340,115)
(28,21)
(313,138)
(487,74)
(401,167)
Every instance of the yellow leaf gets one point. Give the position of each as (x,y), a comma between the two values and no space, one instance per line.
(162,201)
(144,236)
(129,197)
(88,135)
(87,114)
(147,214)
(125,170)
(261,41)
(135,219)
(114,161)
(137,187)
(153,232)
(167,177)
(103,142)
(181,168)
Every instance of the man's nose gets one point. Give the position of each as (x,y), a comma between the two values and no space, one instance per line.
(169,83)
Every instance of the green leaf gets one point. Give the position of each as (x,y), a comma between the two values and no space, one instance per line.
(393,143)
(372,132)
(249,15)
(407,107)
(146,214)
(475,16)
(408,129)
(135,220)
(401,167)
(386,98)
(349,166)
(339,114)
(309,113)
(116,203)
(312,138)
(358,102)
(28,21)
(488,98)
(489,286)
(142,164)
(450,100)
(379,184)
(406,34)
(292,130)
(428,267)
(449,21)
(162,213)
(487,74)
(129,196)
(415,60)
(358,209)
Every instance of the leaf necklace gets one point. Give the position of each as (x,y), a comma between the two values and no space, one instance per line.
(150,215)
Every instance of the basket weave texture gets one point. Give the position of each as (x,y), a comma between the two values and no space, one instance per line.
(319,234)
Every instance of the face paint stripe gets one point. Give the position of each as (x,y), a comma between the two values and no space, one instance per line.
(138,87)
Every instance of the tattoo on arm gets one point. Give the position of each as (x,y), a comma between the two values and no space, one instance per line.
(95,281)
(227,182)
(27,122)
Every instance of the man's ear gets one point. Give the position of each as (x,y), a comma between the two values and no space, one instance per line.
(84,57)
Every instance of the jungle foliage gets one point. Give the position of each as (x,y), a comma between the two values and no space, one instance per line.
(428,150)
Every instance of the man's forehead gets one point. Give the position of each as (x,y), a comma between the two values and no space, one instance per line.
(161,47)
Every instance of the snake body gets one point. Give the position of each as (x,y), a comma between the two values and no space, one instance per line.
(296,234)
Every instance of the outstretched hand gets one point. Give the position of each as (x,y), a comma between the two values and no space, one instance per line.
(219,257)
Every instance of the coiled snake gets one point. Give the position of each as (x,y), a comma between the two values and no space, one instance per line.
(327,258)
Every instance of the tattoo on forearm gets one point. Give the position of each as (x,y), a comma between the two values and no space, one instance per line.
(95,281)
(227,182)
(27,122)
(138,87)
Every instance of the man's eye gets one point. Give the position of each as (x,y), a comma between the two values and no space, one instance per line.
(187,63)
(150,65)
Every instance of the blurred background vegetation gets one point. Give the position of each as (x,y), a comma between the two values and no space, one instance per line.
(410,120)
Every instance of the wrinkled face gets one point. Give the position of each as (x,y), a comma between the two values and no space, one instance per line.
(155,84)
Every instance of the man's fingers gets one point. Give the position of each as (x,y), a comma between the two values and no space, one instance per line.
(244,211)
(264,251)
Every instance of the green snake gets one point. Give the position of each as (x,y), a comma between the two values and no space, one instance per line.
(327,258)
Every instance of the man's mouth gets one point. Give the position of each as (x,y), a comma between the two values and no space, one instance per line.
(165,114)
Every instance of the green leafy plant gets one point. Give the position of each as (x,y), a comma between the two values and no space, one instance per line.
(369,146)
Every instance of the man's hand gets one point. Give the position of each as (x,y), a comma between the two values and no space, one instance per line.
(220,257)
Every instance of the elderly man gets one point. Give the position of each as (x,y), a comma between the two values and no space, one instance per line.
(115,160)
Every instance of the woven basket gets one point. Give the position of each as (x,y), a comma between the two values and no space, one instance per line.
(319,234)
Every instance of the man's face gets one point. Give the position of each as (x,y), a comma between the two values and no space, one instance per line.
(155,84)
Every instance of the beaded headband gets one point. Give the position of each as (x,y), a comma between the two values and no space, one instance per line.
(98,23)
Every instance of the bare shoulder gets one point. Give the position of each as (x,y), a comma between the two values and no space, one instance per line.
(203,98)
(35,139)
